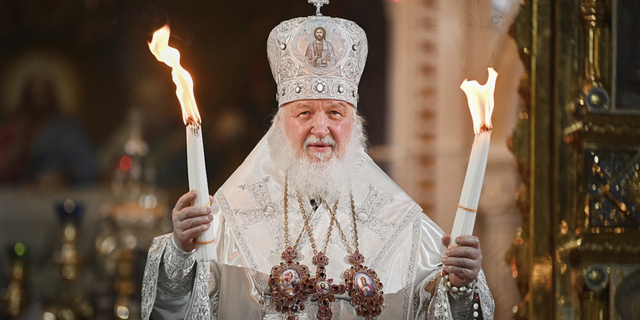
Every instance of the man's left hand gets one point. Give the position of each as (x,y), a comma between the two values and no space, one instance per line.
(463,261)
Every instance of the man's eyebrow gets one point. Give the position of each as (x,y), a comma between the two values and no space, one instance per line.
(302,105)
(337,104)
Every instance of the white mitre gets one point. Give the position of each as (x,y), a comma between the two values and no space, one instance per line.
(305,67)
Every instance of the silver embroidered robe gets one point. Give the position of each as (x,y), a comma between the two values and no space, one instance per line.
(397,239)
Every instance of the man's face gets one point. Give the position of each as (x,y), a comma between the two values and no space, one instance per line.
(307,122)
(319,34)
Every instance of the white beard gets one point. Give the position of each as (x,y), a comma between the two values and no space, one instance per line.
(327,179)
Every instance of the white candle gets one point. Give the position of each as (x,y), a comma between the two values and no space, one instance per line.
(159,45)
(480,100)
(470,196)
(198,181)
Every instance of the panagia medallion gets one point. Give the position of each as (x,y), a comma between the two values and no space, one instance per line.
(288,282)
(364,288)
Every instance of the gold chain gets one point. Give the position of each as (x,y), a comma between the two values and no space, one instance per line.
(355,230)
(286,217)
(307,227)
(353,217)
(333,219)
(286,221)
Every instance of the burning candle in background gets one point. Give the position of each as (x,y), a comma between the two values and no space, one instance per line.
(159,46)
(480,100)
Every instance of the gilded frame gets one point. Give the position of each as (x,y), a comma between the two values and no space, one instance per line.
(562,259)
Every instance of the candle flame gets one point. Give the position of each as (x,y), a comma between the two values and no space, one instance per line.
(480,99)
(159,46)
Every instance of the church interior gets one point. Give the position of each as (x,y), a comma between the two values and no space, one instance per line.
(92,145)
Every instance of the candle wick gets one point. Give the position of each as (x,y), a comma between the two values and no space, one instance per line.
(192,122)
(485,128)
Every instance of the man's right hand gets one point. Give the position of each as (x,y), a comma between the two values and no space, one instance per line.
(188,221)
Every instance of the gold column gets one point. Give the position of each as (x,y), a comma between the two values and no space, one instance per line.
(597,53)
(532,144)
(578,248)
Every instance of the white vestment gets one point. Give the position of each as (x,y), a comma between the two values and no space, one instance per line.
(397,239)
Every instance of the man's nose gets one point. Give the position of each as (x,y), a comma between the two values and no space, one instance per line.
(320,125)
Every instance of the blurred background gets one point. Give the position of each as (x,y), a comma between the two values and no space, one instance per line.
(92,144)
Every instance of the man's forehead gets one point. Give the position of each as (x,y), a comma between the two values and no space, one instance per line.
(319,102)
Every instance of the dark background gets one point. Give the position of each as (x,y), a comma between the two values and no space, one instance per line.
(222,45)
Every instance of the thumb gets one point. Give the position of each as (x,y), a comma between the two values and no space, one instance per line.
(446,240)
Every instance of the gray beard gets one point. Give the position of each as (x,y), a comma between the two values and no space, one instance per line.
(327,179)
(323,179)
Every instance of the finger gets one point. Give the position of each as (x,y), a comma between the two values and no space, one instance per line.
(446,240)
(468,241)
(464,252)
(465,275)
(191,228)
(186,200)
(178,217)
(210,199)
(191,234)
(463,263)
(190,223)
(193,212)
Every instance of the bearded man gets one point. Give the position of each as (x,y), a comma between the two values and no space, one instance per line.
(309,205)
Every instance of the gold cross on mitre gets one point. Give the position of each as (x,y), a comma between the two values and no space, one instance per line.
(318,4)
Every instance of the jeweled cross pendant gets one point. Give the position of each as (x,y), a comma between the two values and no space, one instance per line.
(323,289)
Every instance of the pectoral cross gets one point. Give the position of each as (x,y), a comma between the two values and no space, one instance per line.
(322,289)
(318,4)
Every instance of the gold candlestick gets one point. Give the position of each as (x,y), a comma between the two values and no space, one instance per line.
(14,298)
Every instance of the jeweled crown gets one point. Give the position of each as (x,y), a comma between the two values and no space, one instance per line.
(317,57)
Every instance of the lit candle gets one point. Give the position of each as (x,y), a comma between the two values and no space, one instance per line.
(159,46)
(480,99)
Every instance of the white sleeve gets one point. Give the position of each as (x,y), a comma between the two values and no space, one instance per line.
(167,307)
(175,282)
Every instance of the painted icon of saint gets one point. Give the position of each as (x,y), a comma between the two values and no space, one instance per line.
(290,281)
(320,52)
(365,284)
(323,287)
